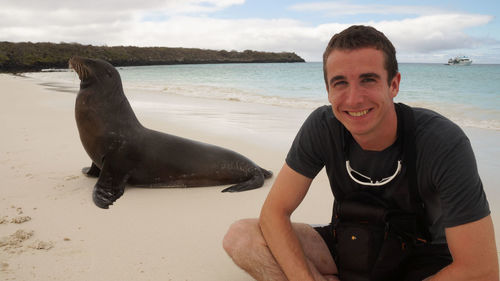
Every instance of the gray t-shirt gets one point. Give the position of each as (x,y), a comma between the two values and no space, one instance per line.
(447,176)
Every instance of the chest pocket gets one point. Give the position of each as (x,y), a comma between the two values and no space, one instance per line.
(372,239)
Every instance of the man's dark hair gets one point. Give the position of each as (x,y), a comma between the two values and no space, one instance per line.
(360,36)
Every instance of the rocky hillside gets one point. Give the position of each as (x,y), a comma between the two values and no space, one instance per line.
(22,57)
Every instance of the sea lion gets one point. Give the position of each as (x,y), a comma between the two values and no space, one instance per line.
(123,151)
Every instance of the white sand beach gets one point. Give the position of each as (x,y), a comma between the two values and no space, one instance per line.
(51,230)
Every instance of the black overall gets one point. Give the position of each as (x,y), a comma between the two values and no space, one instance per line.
(380,232)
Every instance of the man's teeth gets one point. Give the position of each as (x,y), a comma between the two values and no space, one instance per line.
(357,114)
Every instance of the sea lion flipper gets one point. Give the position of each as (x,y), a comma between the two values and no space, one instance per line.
(104,196)
(92,171)
(109,187)
(267,173)
(256,181)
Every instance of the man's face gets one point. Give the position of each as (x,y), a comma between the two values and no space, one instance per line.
(358,91)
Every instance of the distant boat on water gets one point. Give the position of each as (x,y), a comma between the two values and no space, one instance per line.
(460,60)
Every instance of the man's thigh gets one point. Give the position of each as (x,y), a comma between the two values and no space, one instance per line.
(315,248)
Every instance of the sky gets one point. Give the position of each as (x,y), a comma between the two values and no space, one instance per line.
(421,30)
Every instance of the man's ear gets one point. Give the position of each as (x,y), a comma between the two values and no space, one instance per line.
(394,86)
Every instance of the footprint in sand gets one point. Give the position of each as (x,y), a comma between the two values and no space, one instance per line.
(15,242)
(72,177)
(20,219)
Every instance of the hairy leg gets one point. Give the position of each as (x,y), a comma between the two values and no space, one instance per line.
(245,244)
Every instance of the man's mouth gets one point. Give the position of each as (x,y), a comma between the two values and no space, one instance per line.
(358,113)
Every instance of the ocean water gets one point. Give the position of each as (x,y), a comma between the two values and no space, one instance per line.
(468,95)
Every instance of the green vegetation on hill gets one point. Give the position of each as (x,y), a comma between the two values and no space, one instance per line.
(19,57)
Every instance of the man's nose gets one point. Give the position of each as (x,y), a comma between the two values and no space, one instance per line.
(354,95)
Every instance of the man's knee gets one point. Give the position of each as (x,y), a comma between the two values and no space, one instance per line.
(240,236)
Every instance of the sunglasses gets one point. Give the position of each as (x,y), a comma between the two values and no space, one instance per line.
(367,181)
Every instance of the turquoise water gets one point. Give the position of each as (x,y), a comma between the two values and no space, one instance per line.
(295,84)
(475,86)
(469,95)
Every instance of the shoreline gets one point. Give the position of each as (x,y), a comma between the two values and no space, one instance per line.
(149,234)
(242,84)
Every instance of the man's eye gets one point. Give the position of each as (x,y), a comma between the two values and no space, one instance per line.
(365,80)
(339,83)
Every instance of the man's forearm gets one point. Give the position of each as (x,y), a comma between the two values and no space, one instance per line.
(285,246)
(454,272)
(288,191)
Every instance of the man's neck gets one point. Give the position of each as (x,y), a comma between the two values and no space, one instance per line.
(381,139)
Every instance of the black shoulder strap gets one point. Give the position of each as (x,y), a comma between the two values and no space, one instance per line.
(407,130)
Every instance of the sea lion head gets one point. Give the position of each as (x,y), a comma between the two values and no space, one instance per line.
(98,74)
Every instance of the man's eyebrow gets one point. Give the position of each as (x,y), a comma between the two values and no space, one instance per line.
(336,78)
(369,75)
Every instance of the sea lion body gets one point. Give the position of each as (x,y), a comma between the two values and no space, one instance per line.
(123,151)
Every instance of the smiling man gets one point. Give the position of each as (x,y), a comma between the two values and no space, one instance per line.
(409,203)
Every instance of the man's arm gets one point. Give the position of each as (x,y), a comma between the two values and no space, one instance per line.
(474,253)
(287,193)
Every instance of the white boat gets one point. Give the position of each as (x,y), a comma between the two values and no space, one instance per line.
(461,60)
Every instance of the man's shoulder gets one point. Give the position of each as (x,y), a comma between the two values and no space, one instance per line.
(323,112)
(436,137)
(307,153)
(435,127)
(324,115)
(423,115)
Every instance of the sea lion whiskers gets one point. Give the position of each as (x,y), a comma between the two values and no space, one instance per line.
(77,68)
(82,72)
(80,69)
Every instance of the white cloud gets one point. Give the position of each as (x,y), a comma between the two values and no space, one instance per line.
(96,21)
(120,5)
(345,8)
(179,23)
(433,32)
